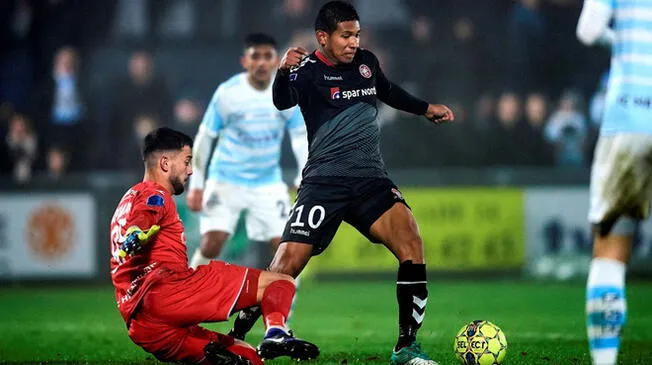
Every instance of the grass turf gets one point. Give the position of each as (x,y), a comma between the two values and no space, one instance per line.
(353,323)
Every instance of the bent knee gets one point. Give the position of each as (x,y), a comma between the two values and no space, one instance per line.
(284,277)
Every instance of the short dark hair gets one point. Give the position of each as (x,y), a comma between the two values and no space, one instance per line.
(164,139)
(259,39)
(332,13)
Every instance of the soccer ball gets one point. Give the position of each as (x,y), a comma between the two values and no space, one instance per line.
(480,343)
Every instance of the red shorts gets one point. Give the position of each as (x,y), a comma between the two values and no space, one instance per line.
(166,323)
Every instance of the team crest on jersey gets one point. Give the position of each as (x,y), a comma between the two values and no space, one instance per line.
(335,93)
(293,76)
(365,71)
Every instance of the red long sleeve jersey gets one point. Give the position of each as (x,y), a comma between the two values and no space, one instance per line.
(144,205)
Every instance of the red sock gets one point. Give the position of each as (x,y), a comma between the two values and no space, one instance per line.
(276,303)
(246,351)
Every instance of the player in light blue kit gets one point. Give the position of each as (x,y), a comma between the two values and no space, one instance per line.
(621,176)
(244,172)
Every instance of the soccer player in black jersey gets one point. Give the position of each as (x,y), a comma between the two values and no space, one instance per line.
(337,88)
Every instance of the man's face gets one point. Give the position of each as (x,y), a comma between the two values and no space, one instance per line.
(260,61)
(343,42)
(180,169)
(140,67)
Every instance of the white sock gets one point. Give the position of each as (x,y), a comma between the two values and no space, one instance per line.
(606,309)
(198,259)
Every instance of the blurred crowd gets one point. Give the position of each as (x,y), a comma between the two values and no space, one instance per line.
(81,82)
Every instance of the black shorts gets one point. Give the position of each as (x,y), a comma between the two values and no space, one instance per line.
(323,203)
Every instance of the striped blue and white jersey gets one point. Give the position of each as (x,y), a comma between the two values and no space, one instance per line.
(628,103)
(250,131)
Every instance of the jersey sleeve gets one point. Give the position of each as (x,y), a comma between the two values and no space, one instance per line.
(149,208)
(611,4)
(213,119)
(395,96)
(593,24)
(296,127)
(288,85)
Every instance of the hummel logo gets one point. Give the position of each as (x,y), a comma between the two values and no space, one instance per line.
(421,304)
(333,78)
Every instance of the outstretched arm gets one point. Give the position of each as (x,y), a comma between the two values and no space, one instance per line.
(593,25)
(396,97)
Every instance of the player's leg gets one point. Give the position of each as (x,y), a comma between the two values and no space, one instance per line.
(290,259)
(267,213)
(312,223)
(210,246)
(383,216)
(606,305)
(619,185)
(216,348)
(220,214)
(273,294)
(191,345)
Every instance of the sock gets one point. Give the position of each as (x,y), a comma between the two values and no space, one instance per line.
(412,295)
(606,309)
(198,259)
(276,303)
(246,320)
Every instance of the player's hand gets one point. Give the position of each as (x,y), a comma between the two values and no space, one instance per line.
(292,58)
(439,113)
(194,199)
(136,239)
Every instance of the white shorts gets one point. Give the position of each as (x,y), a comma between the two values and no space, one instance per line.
(267,209)
(621,177)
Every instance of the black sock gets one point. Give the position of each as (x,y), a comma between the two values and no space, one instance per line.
(245,321)
(411,294)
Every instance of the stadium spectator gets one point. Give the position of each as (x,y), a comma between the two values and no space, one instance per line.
(62,107)
(57,163)
(187,115)
(131,146)
(536,114)
(142,93)
(527,29)
(505,143)
(21,145)
(567,131)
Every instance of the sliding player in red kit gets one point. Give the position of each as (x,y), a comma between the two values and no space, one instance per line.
(162,300)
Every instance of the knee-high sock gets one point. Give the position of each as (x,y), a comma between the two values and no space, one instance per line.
(276,303)
(412,295)
(606,309)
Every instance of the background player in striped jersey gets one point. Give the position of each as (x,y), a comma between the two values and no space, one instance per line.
(621,184)
(244,172)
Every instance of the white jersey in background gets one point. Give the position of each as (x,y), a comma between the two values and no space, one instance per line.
(628,104)
(621,175)
(250,130)
(244,171)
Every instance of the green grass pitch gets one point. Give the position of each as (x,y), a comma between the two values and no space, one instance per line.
(353,323)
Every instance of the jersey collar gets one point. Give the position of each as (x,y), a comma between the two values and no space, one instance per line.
(324,59)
